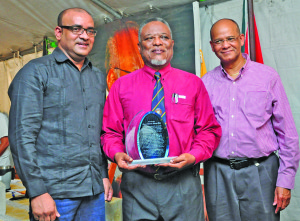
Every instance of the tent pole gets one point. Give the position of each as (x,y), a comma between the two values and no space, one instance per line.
(107,8)
(197,36)
(45,52)
(251,30)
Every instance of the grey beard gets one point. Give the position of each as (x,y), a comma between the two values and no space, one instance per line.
(158,62)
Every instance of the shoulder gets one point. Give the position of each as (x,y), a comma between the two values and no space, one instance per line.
(262,72)
(32,68)
(187,76)
(212,76)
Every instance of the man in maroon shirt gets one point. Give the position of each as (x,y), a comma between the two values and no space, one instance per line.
(170,191)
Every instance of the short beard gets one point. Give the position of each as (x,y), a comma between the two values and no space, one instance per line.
(158,62)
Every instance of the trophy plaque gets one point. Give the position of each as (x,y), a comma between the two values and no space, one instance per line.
(147,140)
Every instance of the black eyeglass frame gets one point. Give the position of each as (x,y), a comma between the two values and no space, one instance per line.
(89,31)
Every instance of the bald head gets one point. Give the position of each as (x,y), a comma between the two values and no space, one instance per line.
(222,22)
(60,16)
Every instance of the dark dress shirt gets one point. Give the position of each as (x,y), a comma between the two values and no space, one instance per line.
(55,124)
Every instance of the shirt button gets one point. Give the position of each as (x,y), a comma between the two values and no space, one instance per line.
(232,116)
(232,152)
(90,145)
(233,99)
(89,126)
(234,82)
(86,108)
(83,90)
(232,134)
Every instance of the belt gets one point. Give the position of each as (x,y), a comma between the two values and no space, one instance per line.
(161,175)
(237,164)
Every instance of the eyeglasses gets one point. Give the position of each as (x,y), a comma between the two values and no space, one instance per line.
(229,40)
(78,30)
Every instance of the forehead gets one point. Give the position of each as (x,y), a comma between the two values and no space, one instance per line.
(224,28)
(73,17)
(155,27)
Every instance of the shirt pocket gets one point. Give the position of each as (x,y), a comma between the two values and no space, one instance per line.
(54,93)
(255,104)
(182,111)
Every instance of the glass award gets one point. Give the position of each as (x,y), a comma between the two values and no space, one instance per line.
(147,139)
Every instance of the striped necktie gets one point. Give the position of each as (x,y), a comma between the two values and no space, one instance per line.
(158,100)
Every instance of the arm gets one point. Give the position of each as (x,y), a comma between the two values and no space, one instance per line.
(3,145)
(26,113)
(207,132)
(288,142)
(108,190)
(112,138)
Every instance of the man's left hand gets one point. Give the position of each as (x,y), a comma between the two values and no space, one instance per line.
(108,190)
(282,198)
(179,163)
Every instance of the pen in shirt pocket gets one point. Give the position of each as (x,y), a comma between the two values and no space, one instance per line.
(175,97)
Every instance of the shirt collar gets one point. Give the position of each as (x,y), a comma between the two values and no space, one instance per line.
(164,71)
(60,57)
(246,56)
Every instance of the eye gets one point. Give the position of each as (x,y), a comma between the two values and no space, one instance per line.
(90,31)
(218,41)
(164,37)
(149,38)
(231,39)
(76,29)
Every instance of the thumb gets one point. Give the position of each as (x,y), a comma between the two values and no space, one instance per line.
(275,199)
(176,160)
(57,213)
(128,158)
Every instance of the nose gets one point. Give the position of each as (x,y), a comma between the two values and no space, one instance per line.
(84,34)
(157,40)
(225,44)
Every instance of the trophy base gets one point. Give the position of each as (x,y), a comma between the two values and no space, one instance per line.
(151,161)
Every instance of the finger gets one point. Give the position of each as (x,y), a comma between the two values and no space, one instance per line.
(278,207)
(110,195)
(177,159)
(162,165)
(285,203)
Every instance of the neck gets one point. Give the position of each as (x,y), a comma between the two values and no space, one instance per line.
(234,68)
(77,62)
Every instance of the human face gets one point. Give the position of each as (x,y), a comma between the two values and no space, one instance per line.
(229,51)
(156,46)
(76,47)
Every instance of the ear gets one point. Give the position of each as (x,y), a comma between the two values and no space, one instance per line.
(242,39)
(212,46)
(58,32)
(139,46)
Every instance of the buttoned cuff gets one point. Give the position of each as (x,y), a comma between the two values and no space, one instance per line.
(285,181)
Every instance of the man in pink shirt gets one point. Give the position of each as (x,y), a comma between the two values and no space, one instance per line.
(245,180)
(170,191)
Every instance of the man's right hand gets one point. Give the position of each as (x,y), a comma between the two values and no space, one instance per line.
(44,208)
(123,161)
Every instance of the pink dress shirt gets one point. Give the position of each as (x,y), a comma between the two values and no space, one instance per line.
(191,123)
(255,117)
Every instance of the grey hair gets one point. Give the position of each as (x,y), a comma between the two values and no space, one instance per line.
(150,20)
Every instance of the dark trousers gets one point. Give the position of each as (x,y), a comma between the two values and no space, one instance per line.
(178,198)
(241,195)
